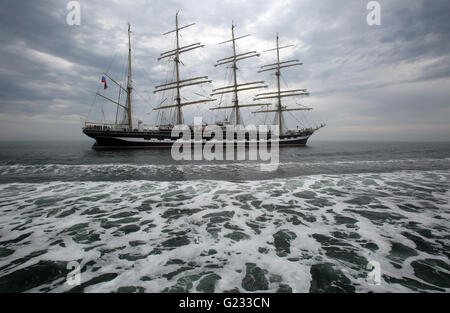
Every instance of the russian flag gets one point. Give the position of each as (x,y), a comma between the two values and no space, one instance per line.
(104,81)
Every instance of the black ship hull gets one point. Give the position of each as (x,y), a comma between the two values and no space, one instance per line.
(160,139)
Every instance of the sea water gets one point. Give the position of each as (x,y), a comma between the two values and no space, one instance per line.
(137,221)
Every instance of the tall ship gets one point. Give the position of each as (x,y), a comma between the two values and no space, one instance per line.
(124,134)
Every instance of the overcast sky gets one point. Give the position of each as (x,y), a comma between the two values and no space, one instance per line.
(387,82)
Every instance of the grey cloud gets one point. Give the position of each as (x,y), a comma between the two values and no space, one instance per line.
(344,58)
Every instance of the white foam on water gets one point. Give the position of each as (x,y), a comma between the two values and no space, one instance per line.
(130,168)
(164,212)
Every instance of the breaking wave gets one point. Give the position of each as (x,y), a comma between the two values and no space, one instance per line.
(214,171)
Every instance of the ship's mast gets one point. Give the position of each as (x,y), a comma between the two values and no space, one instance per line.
(236,100)
(278,74)
(280,93)
(128,90)
(235,87)
(177,66)
(180,83)
(129,87)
